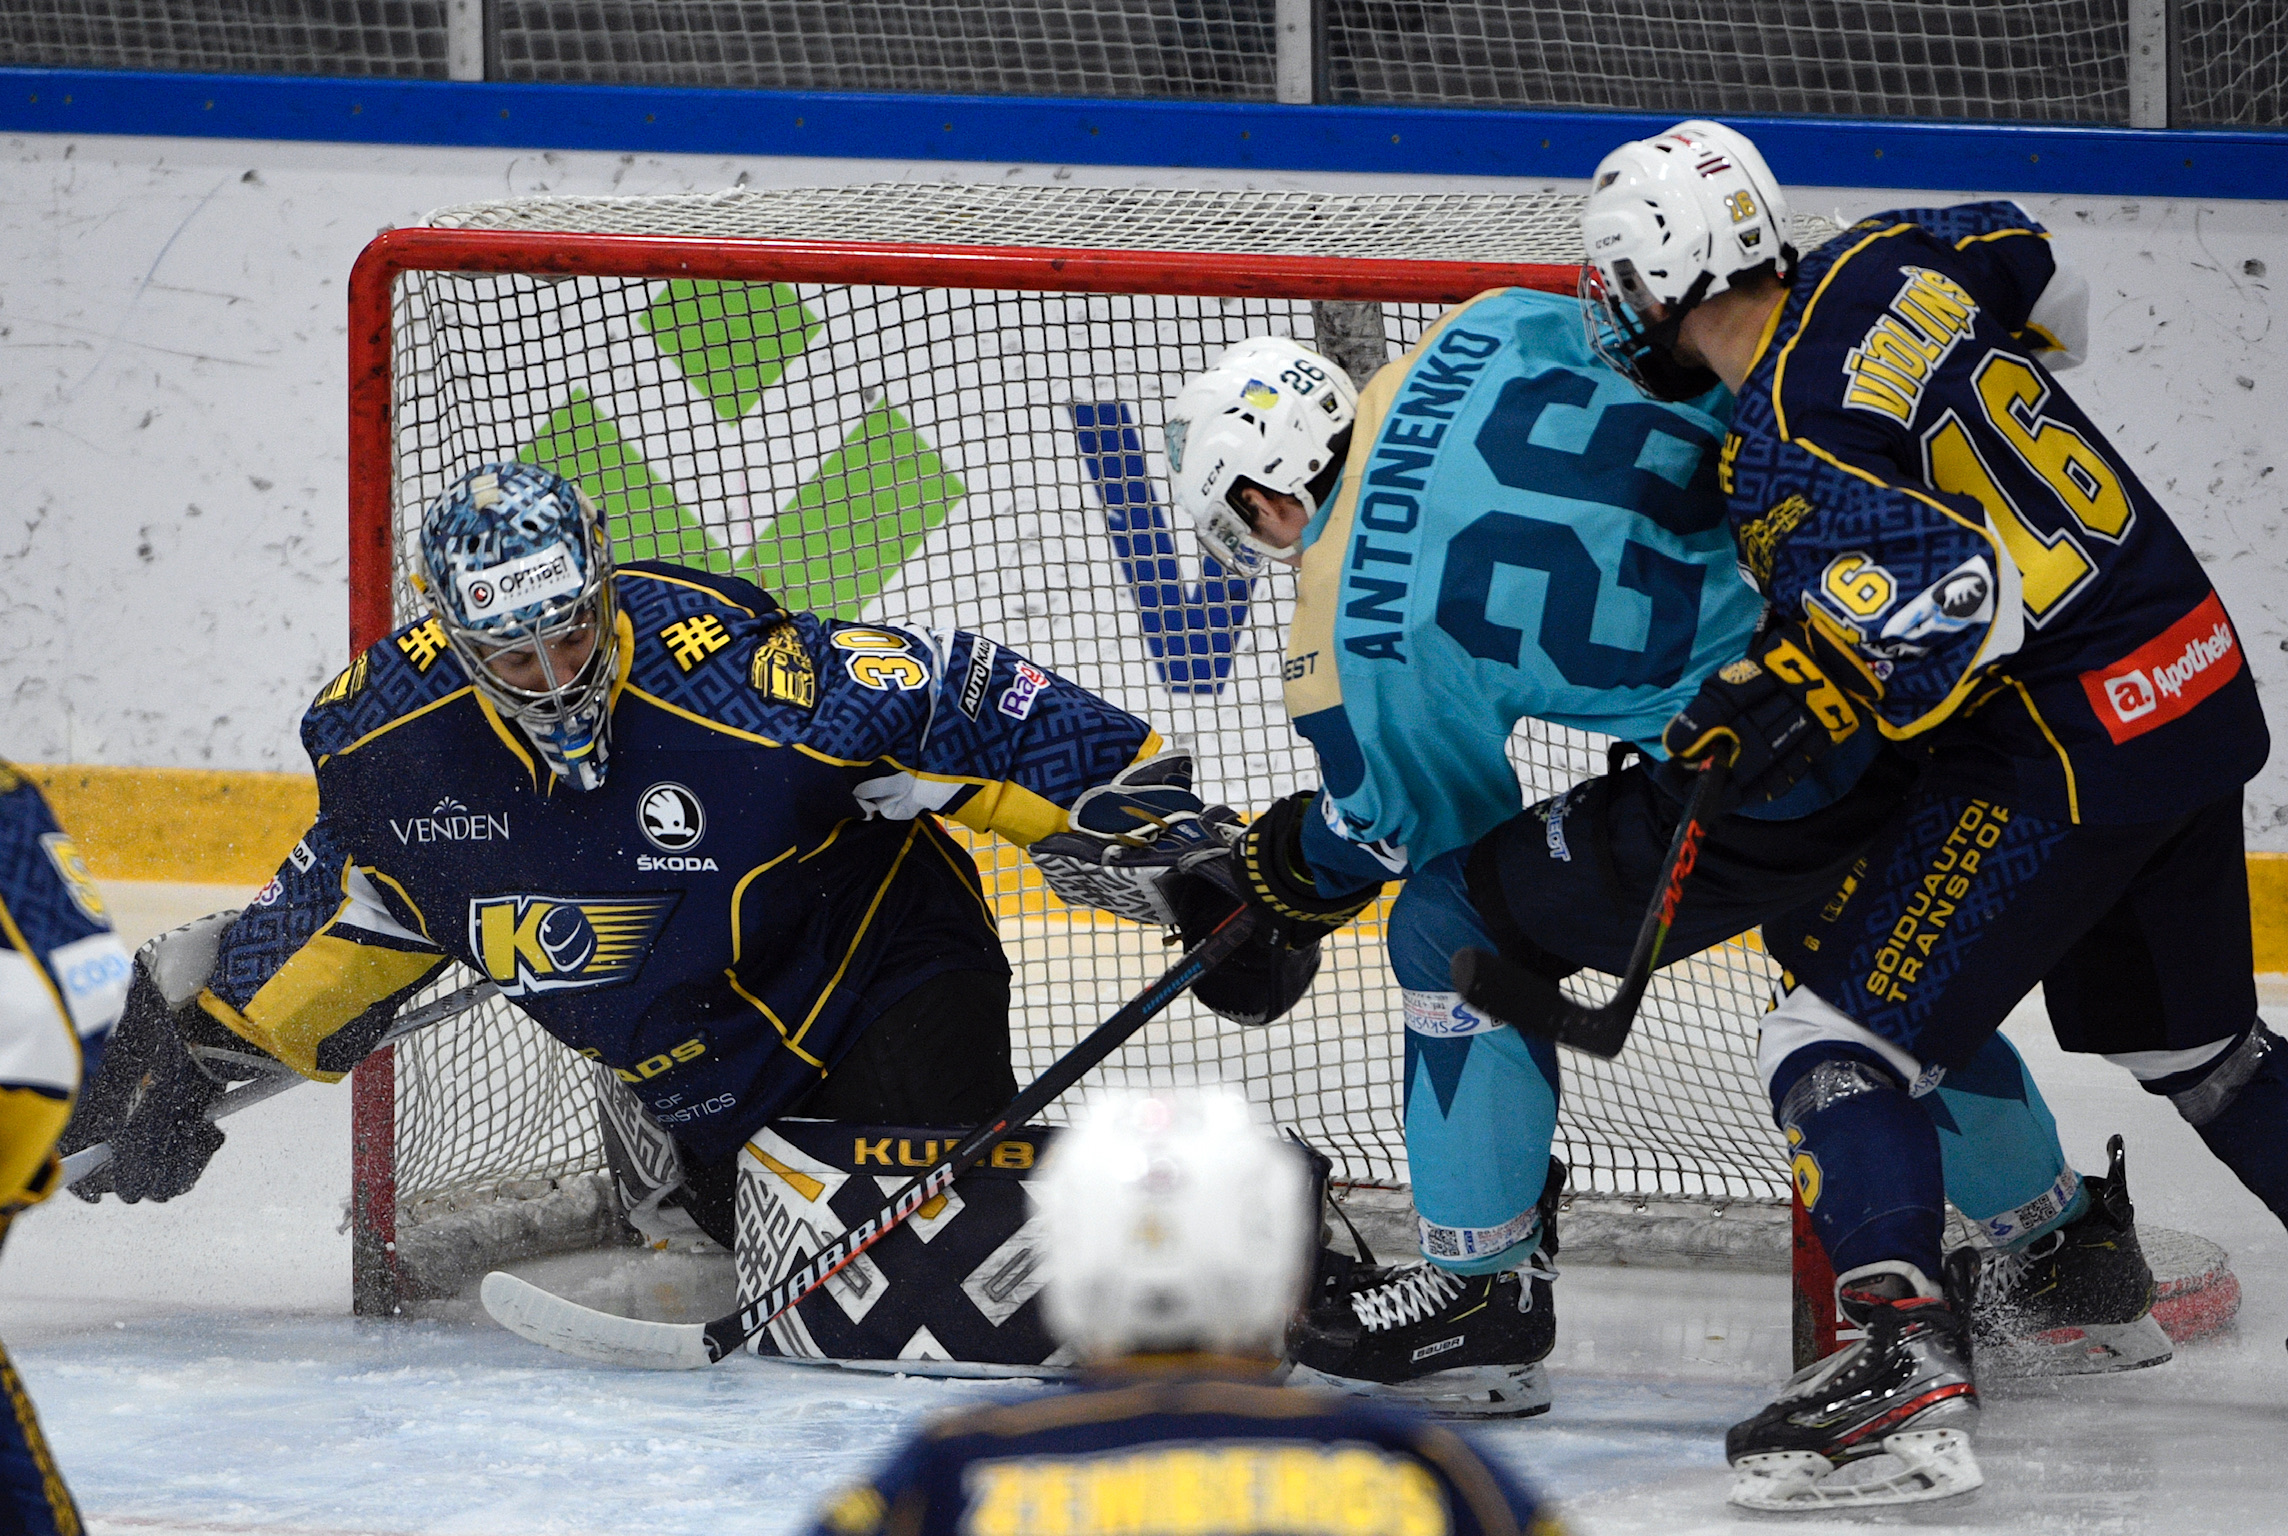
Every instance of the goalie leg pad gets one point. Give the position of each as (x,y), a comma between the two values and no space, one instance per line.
(953,1290)
(646,1164)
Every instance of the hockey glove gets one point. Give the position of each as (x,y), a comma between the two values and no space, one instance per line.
(164,1065)
(1771,715)
(1128,835)
(1265,868)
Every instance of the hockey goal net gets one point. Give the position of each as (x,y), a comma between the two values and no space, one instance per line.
(942,405)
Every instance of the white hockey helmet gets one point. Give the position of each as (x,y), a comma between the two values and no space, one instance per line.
(1670,221)
(1267,412)
(1174,1222)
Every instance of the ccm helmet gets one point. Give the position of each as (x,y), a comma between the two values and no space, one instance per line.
(1268,412)
(1173,1222)
(1670,221)
(512,557)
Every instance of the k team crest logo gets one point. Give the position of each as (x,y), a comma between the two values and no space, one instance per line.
(529,944)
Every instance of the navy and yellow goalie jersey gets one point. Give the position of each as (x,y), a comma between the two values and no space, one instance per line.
(762,873)
(1183,1455)
(1517,533)
(1973,558)
(63,981)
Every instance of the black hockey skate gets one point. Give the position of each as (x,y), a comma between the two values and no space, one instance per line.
(1461,1346)
(2076,1301)
(1904,1390)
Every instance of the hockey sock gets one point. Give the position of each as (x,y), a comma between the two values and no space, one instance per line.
(1865,1158)
(2005,1170)
(2238,1102)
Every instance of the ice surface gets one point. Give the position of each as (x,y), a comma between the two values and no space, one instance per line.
(197,1370)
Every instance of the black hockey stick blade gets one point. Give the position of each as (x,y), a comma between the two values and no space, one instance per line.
(567,1326)
(1532,1003)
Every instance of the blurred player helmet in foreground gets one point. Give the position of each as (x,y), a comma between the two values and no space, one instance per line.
(514,557)
(1267,412)
(1670,221)
(1175,1222)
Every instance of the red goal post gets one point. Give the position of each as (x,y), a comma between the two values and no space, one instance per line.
(1710,1157)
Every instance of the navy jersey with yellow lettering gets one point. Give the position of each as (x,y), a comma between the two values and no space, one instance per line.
(1186,1456)
(63,982)
(762,873)
(1974,560)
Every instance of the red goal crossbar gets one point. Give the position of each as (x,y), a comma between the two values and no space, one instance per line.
(372,483)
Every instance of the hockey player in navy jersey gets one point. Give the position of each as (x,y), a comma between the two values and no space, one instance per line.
(1956,558)
(692,835)
(1501,454)
(1178,1239)
(63,980)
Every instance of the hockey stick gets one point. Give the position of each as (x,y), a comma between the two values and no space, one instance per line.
(90,1159)
(545,1318)
(1531,1002)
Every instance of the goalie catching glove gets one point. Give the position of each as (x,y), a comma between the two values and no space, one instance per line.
(1264,868)
(1771,715)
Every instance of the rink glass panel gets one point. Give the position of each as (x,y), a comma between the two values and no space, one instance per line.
(916,455)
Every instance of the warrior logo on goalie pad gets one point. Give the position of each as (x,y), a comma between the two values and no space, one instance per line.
(531,944)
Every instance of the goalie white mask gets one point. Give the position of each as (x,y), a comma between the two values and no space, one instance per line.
(1267,411)
(517,568)
(1174,1222)
(1671,221)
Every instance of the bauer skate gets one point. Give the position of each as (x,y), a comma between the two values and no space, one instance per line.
(1461,1346)
(1904,1390)
(2075,1301)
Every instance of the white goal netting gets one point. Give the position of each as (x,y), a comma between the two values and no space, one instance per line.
(993,460)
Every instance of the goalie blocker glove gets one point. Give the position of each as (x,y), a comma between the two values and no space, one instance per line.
(1773,714)
(1264,868)
(166,1064)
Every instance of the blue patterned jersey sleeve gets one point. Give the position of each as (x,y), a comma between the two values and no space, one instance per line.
(2003,252)
(1941,588)
(960,724)
(63,980)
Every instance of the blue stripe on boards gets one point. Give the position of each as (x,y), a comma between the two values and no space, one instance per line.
(1839,152)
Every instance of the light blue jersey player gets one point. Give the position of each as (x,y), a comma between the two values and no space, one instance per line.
(1502,527)
(63,980)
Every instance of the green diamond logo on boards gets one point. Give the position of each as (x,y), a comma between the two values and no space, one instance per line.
(869,507)
(580,443)
(730,341)
(863,513)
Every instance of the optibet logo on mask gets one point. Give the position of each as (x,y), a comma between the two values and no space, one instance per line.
(514,584)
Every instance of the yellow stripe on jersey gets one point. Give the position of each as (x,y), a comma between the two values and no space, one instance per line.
(327,983)
(30,1122)
(1318,589)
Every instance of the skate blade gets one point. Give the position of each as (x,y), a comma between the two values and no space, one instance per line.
(2083,1350)
(1927,1464)
(1465,1392)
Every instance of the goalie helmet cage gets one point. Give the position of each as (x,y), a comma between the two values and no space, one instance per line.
(942,405)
